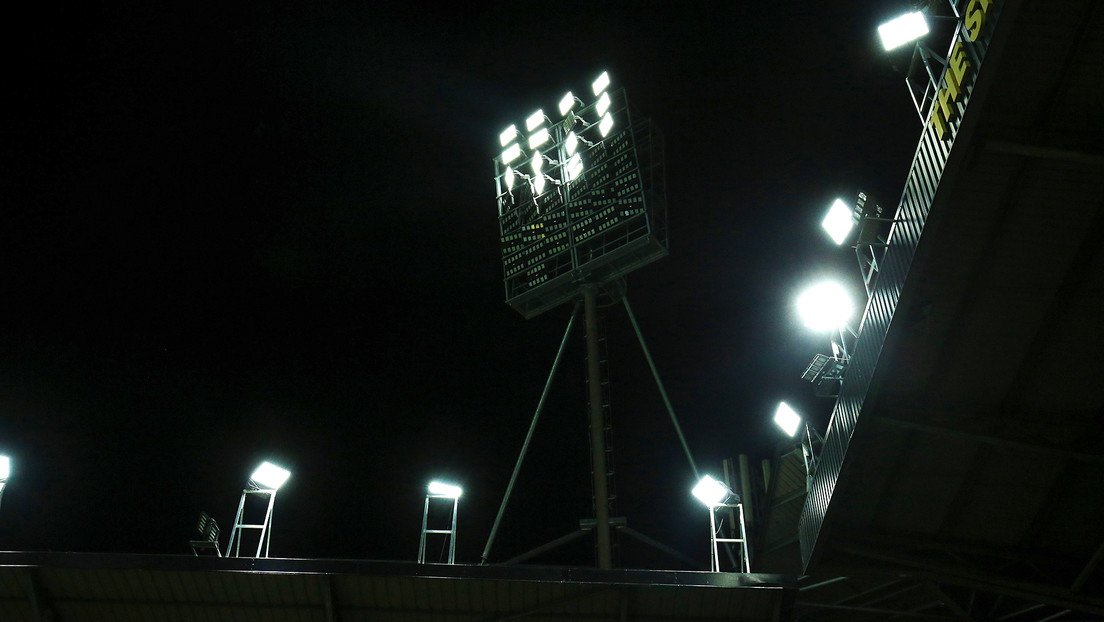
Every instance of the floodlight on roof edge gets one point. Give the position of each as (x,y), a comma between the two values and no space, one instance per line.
(790,422)
(825,306)
(440,491)
(715,494)
(710,491)
(269,476)
(265,481)
(901,30)
(787,419)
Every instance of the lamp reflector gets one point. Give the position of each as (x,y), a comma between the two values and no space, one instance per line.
(537,163)
(571,143)
(574,167)
(899,31)
(5,468)
(825,306)
(269,475)
(567,103)
(601,83)
(535,120)
(508,177)
(787,418)
(605,124)
(711,492)
(539,138)
(512,153)
(838,221)
(445,490)
(538,183)
(507,135)
(603,104)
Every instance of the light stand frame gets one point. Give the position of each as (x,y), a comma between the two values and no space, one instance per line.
(450,532)
(233,548)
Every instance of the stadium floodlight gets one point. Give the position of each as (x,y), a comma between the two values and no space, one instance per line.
(902,30)
(538,138)
(269,476)
(571,143)
(507,135)
(601,83)
(566,104)
(535,120)
(508,177)
(574,167)
(442,489)
(825,306)
(711,492)
(512,153)
(603,104)
(787,419)
(538,184)
(537,163)
(605,124)
(5,469)
(838,221)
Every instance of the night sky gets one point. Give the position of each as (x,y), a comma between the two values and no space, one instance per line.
(269,231)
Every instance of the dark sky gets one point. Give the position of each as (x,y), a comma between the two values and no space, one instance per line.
(269,231)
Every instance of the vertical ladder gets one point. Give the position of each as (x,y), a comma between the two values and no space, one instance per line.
(450,532)
(715,557)
(607,423)
(233,549)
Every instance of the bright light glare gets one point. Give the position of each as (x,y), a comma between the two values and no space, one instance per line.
(605,124)
(601,83)
(574,167)
(509,177)
(539,138)
(711,492)
(507,135)
(571,144)
(838,221)
(445,490)
(537,163)
(787,418)
(603,104)
(825,306)
(567,103)
(512,153)
(5,468)
(897,32)
(538,184)
(269,475)
(534,121)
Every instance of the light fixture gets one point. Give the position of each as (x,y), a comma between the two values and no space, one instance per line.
(538,184)
(509,178)
(445,490)
(601,83)
(571,143)
(567,103)
(838,221)
(269,476)
(507,135)
(574,167)
(711,492)
(5,472)
(537,163)
(538,138)
(824,306)
(535,120)
(512,153)
(902,30)
(787,419)
(605,124)
(603,104)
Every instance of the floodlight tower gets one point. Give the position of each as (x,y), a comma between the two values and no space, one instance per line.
(581,204)
(264,482)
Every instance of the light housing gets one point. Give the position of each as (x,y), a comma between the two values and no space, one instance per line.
(603,104)
(902,30)
(508,177)
(5,468)
(535,120)
(574,167)
(507,135)
(538,138)
(838,222)
(269,475)
(825,306)
(538,184)
(571,143)
(567,103)
(787,419)
(442,489)
(605,124)
(511,153)
(600,83)
(711,492)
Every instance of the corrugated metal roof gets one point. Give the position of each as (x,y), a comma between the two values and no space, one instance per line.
(116,588)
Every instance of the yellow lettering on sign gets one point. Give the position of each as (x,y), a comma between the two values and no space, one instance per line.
(940,125)
(975,17)
(957,66)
